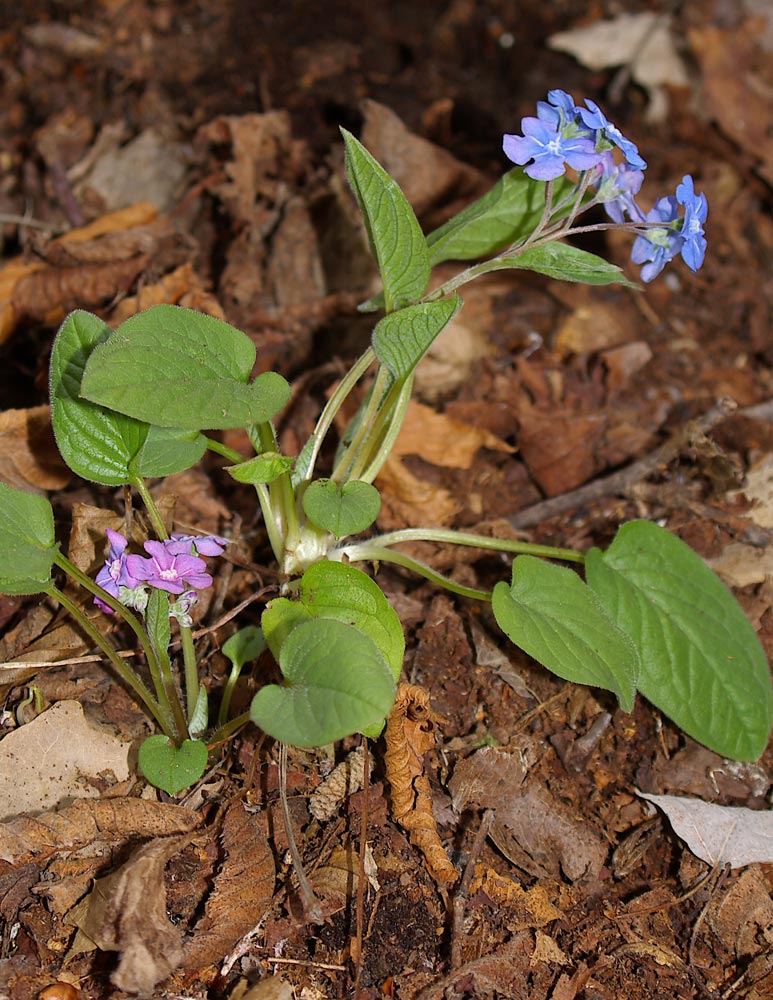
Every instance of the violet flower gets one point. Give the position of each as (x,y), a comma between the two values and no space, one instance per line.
(203,545)
(116,578)
(169,570)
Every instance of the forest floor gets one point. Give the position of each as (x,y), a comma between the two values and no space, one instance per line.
(155,151)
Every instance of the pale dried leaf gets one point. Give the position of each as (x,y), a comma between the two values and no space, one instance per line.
(342,782)
(759,488)
(86,821)
(740,565)
(126,912)
(241,894)
(443,440)
(52,759)
(719,835)
(150,167)
(29,459)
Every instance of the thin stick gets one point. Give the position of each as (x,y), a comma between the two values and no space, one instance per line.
(460,899)
(361,874)
(311,905)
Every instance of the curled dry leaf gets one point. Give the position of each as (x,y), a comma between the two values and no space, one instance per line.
(126,912)
(410,733)
(526,907)
(86,821)
(29,459)
(242,892)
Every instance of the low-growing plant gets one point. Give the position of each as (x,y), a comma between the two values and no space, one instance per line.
(132,404)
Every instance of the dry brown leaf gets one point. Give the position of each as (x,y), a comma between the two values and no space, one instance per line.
(526,907)
(87,820)
(29,458)
(408,500)
(443,440)
(126,912)
(241,894)
(88,541)
(28,274)
(533,828)
(558,446)
(181,287)
(410,733)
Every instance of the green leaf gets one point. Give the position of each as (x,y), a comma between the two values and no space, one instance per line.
(178,368)
(509,212)
(341,510)
(27,543)
(263,468)
(402,338)
(551,614)
(200,718)
(245,645)
(702,664)
(335,590)
(168,450)
(567,263)
(169,767)
(96,443)
(338,684)
(396,239)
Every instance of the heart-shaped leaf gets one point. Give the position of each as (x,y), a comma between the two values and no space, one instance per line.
(549,612)
(27,544)
(169,767)
(701,661)
(179,368)
(338,683)
(336,590)
(341,510)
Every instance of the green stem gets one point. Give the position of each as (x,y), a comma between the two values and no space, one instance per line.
(155,517)
(387,426)
(342,471)
(374,553)
(127,675)
(223,733)
(165,697)
(333,405)
(222,449)
(351,551)
(191,670)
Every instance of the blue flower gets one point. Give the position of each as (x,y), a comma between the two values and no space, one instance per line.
(617,184)
(696,209)
(595,118)
(559,109)
(656,247)
(550,150)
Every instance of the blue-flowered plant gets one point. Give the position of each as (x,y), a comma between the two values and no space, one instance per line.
(132,404)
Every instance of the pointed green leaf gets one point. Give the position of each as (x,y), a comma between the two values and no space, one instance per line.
(402,338)
(97,444)
(567,263)
(506,214)
(157,621)
(169,767)
(337,684)
(27,543)
(702,664)
(178,368)
(336,590)
(551,614)
(396,239)
(263,468)
(341,510)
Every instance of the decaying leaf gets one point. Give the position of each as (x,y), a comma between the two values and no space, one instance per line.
(87,820)
(52,758)
(410,733)
(242,892)
(342,782)
(719,835)
(532,828)
(526,907)
(126,912)
(29,459)
(181,287)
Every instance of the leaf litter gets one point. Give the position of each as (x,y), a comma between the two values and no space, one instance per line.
(538,374)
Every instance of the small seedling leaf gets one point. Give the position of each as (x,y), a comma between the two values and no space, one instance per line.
(551,614)
(335,590)
(402,338)
(341,510)
(172,768)
(701,662)
(27,543)
(178,368)
(568,263)
(396,239)
(337,684)
(263,468)
(245,645)
(98,444)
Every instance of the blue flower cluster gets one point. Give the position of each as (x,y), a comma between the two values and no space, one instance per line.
(583,138)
